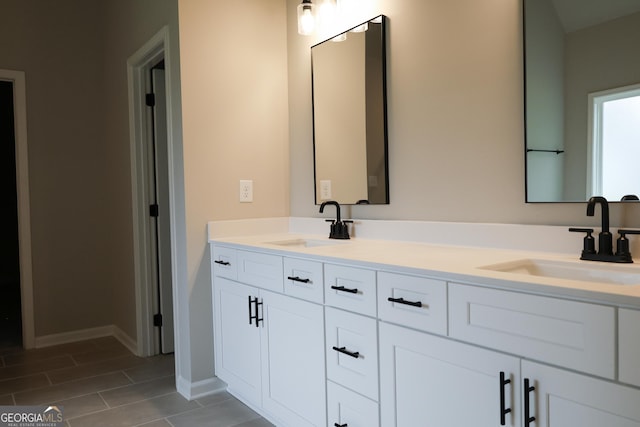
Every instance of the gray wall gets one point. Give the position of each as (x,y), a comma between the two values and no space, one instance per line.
(74,55)
(233,60)
(59,46)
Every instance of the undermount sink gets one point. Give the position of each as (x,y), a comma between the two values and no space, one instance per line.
(305,243)
(585,272)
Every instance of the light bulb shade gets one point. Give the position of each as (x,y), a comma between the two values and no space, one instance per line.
(360,28)
(339,38)
(306,18)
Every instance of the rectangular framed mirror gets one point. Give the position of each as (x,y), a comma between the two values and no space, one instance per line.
(350,116)
(582,99)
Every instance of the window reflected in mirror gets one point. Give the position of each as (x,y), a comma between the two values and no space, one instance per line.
(582,73)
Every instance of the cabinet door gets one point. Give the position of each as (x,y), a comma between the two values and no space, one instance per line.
(563,398)
(629,346)
(237,342)
(293,370)
(428,381)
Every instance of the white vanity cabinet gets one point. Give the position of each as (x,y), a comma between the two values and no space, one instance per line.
(351,344)
(269,347)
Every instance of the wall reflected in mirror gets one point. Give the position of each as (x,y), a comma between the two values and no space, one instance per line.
(349,116)
(582,99)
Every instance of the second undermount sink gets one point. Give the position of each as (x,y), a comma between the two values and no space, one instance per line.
(581,271)
(305,243)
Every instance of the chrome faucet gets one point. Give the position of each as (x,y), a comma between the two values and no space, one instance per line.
(339,228)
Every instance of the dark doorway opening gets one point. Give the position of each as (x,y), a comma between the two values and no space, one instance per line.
(10,305)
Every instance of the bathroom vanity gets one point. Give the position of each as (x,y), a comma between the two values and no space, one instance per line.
(369,332)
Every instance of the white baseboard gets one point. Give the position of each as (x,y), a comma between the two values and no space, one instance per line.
(194,390)
(125,340)
(87,334)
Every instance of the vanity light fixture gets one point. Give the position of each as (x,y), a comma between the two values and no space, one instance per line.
(323,17)
(306,18)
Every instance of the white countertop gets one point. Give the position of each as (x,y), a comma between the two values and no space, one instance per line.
(448,262)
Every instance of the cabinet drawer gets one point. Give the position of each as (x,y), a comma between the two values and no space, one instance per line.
(629,346)
(351,288)
(303,279)
(417,302)
(350,409)
(577,335)
(261,270)
(224,262)
(352,351)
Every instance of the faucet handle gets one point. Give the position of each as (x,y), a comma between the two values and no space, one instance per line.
(625,232)
(589,243)
(581,230)
(622,245)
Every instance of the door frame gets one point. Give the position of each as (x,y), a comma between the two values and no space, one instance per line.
(138,66)
(24,203)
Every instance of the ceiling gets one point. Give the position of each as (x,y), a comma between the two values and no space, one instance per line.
(577,14)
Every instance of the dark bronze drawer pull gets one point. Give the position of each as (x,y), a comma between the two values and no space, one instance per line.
(405,302)
(297,279)
(256,305)
(222,262)
(344,350)
(528,388)
(343,289)
(503,409)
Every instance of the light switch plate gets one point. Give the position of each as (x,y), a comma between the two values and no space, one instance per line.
(246,191)
(325,189)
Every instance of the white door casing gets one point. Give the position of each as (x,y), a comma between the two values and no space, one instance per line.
(138,67)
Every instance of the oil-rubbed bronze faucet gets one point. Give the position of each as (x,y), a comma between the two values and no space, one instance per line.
(339,228)
(605,243)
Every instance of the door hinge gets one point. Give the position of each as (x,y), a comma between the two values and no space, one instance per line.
(154,210)
(150,100)
(157,319)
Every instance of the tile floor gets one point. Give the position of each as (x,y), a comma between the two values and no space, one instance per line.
(100,384)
